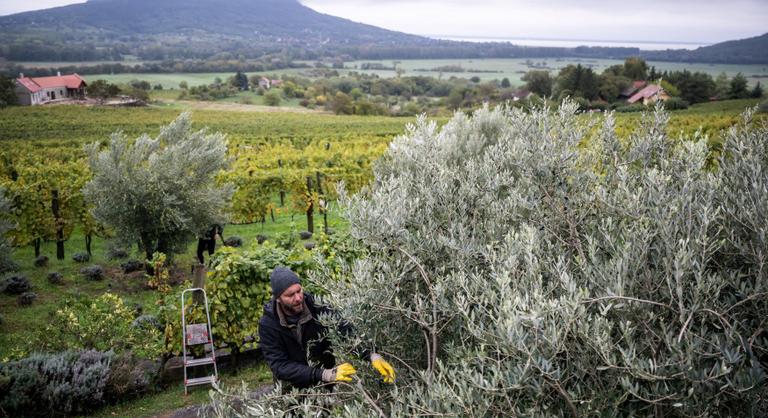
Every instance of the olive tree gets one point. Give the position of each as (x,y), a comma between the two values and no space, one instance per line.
(159,191)
(536,264)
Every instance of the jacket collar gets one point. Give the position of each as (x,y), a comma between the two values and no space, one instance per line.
(305,317)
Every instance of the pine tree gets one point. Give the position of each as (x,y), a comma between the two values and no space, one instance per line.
(757,92)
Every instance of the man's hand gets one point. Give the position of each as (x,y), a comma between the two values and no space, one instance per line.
(383,367)
(340,373)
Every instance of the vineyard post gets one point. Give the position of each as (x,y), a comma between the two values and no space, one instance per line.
(310,207)
(58,222)
(322,206)
(198,280)
(88,239)
(282,191)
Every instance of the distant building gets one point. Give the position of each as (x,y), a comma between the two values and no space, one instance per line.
(38,90)
(649,94)
(632,89)
(520,95)
(264,83)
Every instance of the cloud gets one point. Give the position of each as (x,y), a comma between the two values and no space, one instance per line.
(655,20)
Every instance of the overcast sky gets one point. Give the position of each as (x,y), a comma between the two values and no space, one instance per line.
(704,21)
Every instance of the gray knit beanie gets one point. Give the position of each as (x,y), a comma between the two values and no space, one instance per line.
(282,278)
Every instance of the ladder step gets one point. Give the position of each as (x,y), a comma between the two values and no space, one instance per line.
(200,381)
(200,361)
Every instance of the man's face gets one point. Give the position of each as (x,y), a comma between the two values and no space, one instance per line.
(293,299)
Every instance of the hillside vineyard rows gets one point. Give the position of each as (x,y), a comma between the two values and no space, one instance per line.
(273,155)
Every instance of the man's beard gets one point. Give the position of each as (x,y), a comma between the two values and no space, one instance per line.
(295,309)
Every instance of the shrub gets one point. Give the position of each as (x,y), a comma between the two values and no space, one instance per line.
(132,265)
(130,376)
(26,298)
(94,272)
(146,322)
(535,264)
(598,105)
(117,253)
(286,240)
(103,323)
(637,107)
(41,261)
(233,242)
(16,285)
(55,277)
(237,287)
(54,384)
(272,98)
(676,103)
(81,257)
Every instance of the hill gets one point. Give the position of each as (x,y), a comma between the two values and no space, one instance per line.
(743,51)
(276,31)
(157,29)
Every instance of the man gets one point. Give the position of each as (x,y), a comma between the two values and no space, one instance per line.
(289,330)
(208,241)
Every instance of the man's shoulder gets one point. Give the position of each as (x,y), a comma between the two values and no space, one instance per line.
(268,316)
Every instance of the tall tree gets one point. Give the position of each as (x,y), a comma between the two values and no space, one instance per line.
(7,93)
(635,68)
(757,92)
(539,82)
(694,87)
(576,81)
(722,85)
(738,88)
(160,191)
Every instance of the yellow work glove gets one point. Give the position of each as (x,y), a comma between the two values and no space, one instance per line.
(340,373)
(383,367)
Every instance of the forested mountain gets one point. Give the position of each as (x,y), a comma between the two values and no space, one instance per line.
(234,29)
(743,51)
(156,29)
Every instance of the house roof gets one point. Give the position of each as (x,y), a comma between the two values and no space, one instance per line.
(648,91)
(28,84)
(636,85)
(35,84)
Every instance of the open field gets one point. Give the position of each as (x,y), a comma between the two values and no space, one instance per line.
(486,69)
(514,68)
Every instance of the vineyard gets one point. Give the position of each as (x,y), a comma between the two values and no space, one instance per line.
(283,166)
(282,163)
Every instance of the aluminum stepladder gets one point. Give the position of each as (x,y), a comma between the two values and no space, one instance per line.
(196,334)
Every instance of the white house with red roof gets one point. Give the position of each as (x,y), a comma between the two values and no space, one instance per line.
(38,90)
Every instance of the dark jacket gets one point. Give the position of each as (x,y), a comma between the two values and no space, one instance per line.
(285,349)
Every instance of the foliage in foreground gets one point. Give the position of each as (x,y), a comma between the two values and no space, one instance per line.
(6,262)
(160,191)
(515,269)
(71,382)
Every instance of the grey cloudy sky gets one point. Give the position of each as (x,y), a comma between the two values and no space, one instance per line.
(703,21)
